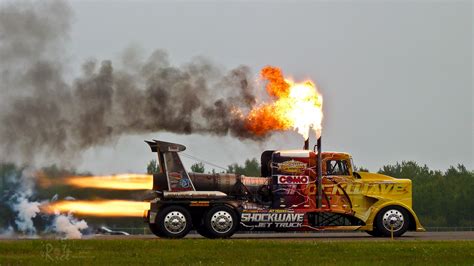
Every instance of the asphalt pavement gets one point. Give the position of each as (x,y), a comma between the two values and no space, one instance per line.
(297,236)
(323,236)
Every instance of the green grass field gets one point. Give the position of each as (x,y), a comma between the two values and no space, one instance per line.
(236,252)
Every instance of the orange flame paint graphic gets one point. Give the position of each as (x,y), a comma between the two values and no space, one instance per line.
(101,208)
(296,105)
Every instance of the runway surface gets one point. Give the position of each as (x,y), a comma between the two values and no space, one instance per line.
(308,236)
(325,236)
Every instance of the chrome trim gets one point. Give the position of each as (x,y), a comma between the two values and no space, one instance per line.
(175,222)
(193,194)
(393,217)
(152,217)
(222,222)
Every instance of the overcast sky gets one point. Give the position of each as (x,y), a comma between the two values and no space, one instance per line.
(396,77)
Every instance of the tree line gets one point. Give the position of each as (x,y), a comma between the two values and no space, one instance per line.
(440,198)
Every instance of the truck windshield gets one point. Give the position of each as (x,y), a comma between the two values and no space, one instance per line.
(337,167)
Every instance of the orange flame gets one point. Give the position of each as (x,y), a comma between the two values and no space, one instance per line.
(119,182)
(102,208)
(297,106)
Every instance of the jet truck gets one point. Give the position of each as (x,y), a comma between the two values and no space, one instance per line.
(298,190)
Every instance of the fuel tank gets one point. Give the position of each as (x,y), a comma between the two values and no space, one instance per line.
(230,184)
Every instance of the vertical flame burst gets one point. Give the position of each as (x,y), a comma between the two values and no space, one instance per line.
(296,105)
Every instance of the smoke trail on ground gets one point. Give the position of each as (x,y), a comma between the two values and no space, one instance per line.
(68,226)
(43,114)
(20,200)
(27,209)
(8,232)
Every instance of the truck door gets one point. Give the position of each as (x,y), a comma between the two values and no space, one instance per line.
(337,177)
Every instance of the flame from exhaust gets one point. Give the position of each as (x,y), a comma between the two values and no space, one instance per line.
(101,208)
(118,182)
(297,105)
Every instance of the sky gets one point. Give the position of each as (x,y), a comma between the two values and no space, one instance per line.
(396,77)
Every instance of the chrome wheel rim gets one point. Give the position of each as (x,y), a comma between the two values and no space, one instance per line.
(175,222)
(393,219)
(221,222)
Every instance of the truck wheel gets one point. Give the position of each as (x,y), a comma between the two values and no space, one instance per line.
(220,222)
(374,232)
(154,230)
(203,232)
(392,216)
(173,222)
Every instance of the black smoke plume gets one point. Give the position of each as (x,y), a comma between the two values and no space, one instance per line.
(43,112)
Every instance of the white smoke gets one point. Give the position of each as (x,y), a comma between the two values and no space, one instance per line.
(9,232)
(27,209)
(25,212)
(20,203)
(68,226)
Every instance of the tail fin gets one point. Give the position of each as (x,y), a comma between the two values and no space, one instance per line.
(172,175)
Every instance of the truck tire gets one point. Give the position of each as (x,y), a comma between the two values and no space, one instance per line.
(395,215)
(154,230)
(374,233)
(173,222)
(203,232)
(220,222)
